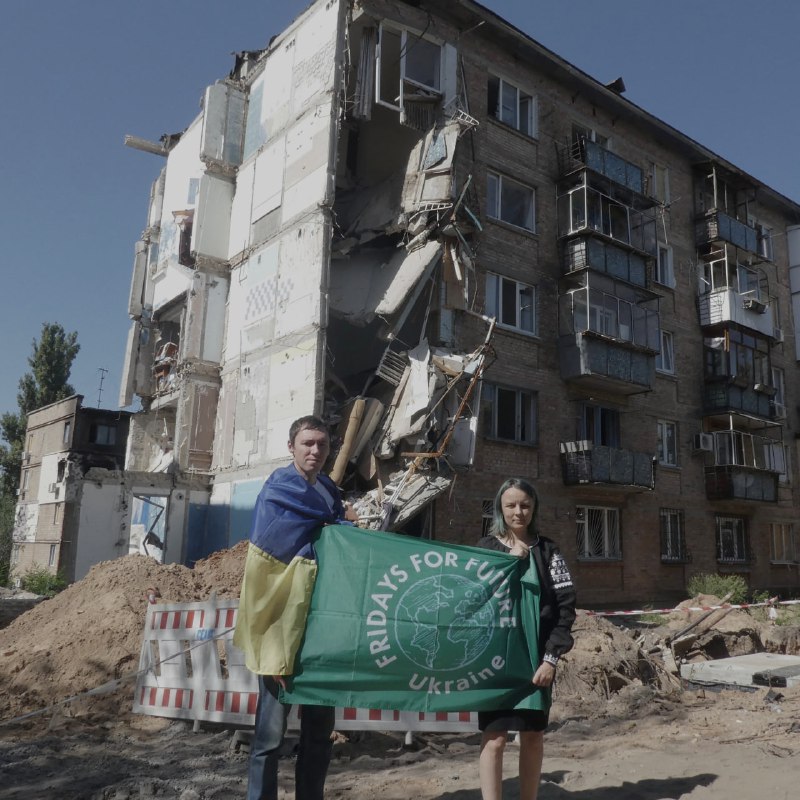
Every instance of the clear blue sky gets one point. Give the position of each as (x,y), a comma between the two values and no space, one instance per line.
(80,74)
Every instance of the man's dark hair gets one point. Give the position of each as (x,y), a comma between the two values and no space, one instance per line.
(307,423)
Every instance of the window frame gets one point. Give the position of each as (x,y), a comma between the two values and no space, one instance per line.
(494,200)
(490,394)
(659,275)
(659,188)
(789,546)
(663,450)
(667,345)
(497,113)
(402,65)
(110,435)
(739,539)
(495,297)
(612,535)
(672,533)
(600,425)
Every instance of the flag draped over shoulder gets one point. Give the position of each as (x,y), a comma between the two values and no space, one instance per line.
(280,569)
(413,625)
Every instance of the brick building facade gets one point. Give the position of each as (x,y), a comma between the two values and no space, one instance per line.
(388,182)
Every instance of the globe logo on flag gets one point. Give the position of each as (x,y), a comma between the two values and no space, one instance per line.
(444,622)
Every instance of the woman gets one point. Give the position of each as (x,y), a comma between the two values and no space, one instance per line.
(514,531)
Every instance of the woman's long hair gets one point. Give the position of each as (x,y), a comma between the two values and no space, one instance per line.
(498,524)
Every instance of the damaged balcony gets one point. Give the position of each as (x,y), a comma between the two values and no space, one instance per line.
(746,465)
(583,462)
(609,334)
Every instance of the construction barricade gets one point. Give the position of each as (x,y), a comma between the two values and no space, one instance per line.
(190,669)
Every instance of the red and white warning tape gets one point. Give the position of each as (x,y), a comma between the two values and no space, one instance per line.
(681,609)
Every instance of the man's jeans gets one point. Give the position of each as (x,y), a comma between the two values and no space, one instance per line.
(313,754)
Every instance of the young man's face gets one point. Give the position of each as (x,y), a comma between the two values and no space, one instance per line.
(310,449)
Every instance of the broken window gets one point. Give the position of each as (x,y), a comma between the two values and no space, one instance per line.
(512,106)
(511,303)
(405,63)
(597,533)
(102,434)
(510,414)
(510,201)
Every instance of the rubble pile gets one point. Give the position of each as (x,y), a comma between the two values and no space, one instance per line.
(91,634)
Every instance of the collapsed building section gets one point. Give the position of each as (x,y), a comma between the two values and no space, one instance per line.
(311,229)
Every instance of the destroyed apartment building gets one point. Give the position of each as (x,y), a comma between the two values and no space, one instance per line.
(478,262)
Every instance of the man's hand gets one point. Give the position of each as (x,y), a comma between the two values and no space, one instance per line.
(350,513)
(280,680)
(544,675)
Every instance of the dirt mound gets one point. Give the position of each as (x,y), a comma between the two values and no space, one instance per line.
(91,632)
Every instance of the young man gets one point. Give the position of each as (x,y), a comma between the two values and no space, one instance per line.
(293,504)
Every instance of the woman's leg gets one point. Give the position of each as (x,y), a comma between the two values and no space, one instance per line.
(531,753)
(490,766)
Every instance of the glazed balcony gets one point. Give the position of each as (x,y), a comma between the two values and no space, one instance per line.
(716,227)
(745,465)
(583,462)
(591,253)
(608,335)
(585,154)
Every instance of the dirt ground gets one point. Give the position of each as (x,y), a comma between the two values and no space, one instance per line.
(622,727)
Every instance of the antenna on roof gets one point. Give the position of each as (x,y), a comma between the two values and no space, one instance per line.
(102,371)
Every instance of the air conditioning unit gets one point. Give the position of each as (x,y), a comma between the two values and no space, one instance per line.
(26,456)
(777,334)
(777,410)
(52,488)
(703,442)
(751,304)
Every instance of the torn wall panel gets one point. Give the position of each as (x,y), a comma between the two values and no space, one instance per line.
(365,285)
(225,421)
(201,430)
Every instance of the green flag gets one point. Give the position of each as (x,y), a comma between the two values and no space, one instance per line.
(413,625)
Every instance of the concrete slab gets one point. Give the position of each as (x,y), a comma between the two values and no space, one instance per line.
(756,669)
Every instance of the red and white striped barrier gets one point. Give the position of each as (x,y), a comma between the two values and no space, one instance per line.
(189,668)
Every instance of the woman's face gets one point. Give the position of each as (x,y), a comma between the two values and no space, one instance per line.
(517,508)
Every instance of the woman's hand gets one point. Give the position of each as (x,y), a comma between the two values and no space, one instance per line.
(544,675)
(519,549)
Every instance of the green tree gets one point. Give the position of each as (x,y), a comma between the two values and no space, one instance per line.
(45,383)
